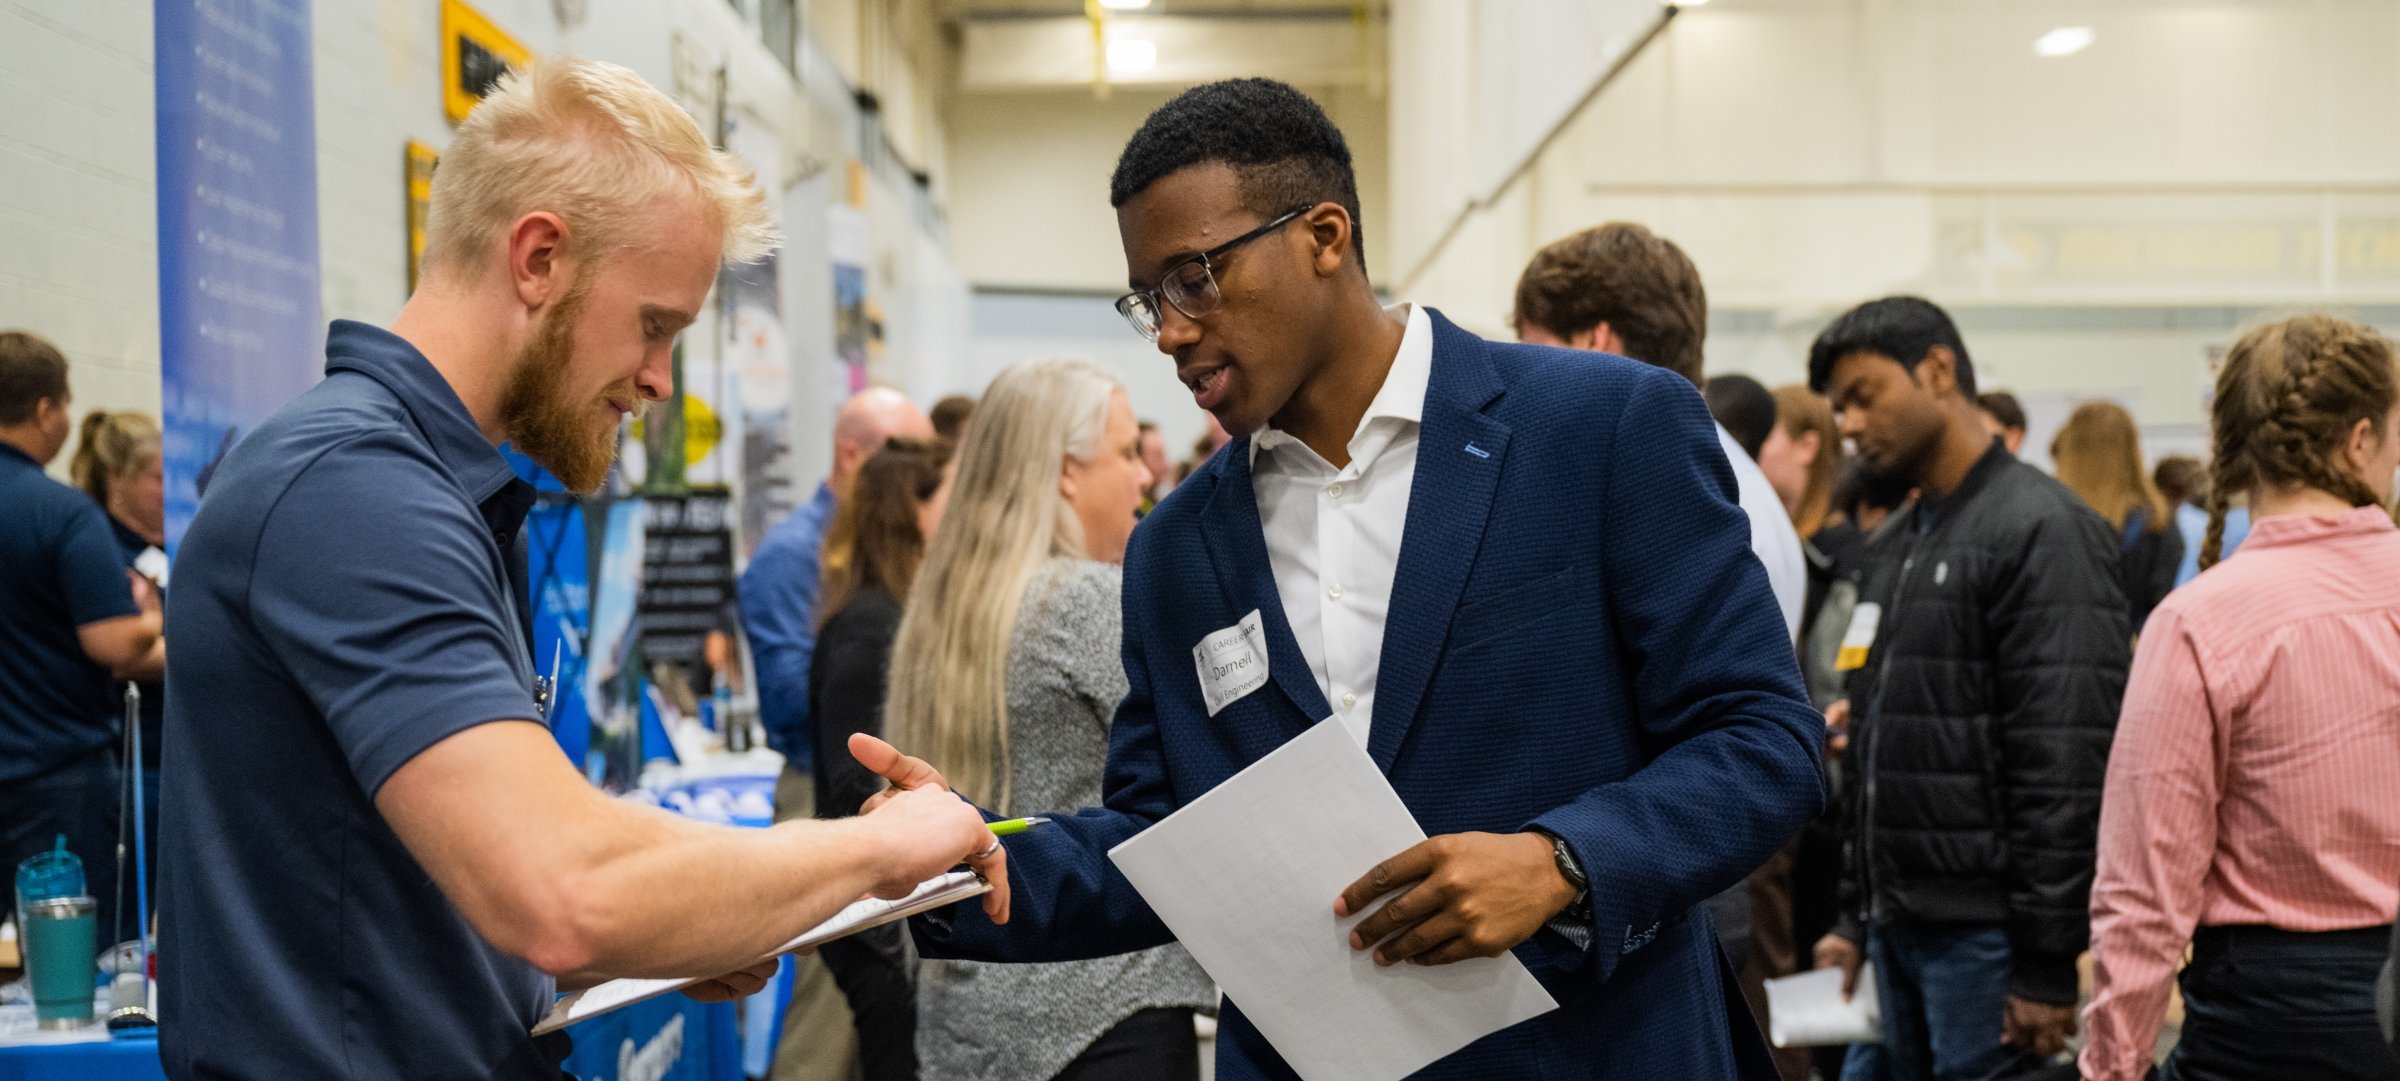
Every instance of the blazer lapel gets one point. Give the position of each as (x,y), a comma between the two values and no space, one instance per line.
(1460,452)
(1237,549)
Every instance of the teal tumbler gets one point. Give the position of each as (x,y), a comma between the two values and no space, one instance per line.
(61,940)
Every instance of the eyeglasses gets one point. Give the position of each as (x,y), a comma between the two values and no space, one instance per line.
(1190,285)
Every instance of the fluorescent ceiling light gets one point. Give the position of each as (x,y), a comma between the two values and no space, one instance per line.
(1132,56)
(2064,41)
(1124,5)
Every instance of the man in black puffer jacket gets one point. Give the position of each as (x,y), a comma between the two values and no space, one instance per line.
(1987,658)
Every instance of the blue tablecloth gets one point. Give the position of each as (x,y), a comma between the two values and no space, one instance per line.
(665,1039)
(131,1059)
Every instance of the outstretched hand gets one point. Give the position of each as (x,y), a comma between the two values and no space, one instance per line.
(917,788)
(902,771)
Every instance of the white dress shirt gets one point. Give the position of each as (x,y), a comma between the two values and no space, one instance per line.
(1771,533)
(1333,535)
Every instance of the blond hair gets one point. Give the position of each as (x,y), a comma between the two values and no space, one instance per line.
(2098,454)
(1006,518)
(593,143)
(2289,395)
(112,445)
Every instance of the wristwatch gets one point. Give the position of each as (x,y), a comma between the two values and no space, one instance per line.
(1572,871)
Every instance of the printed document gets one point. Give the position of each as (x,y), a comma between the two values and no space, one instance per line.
(1807,1010)
(1246,876)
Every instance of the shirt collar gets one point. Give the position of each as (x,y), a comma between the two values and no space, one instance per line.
(441,417)
(1401,398)
(2285,529)
(10,450)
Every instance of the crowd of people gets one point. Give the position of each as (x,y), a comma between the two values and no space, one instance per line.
(1978,634)
(1870,690)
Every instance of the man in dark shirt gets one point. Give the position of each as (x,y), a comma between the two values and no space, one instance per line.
(376,859)
(71,619)
(1986,658)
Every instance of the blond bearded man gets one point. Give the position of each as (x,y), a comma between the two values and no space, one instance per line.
(377,863)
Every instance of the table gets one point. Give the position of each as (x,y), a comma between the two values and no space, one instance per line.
(665,1039)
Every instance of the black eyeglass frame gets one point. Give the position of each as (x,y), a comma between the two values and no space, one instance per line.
(1208,265)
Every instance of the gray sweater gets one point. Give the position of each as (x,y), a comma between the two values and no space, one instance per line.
(994,1022)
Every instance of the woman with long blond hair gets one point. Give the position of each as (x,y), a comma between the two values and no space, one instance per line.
(1005,677)
(2250,812)
(2098,454)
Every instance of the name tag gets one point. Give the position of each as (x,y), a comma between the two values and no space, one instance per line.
(1233,662)
(1864,621)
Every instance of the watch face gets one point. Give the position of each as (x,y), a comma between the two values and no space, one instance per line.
(1566,863)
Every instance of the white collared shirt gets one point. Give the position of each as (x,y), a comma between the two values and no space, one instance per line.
(1333,535)
(1772,537)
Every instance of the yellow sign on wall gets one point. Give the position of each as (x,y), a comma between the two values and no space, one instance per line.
(475,53)
(421,160)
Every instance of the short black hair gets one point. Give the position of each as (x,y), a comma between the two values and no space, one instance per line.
(31,369)
(1902,328)
(1280,144)
(2003,407)
(1744,407)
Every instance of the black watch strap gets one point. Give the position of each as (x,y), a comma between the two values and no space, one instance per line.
(1572,871)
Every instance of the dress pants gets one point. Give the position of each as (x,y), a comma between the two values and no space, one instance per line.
(2261,1003)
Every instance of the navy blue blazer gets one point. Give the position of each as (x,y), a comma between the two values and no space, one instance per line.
(1579,639)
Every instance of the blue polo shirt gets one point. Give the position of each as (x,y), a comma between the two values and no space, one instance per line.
(778,595)
(350,593)
(59,570)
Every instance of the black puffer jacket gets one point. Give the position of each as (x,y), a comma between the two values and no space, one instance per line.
(1983,714)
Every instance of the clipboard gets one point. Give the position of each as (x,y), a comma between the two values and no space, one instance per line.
(931,894)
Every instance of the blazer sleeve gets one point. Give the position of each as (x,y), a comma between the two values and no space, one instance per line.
(1735,771)
(1067,900)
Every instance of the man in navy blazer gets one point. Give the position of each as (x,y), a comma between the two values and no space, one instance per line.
(1582,689)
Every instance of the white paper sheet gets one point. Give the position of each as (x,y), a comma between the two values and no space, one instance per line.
(1246,876)
(1807,1010)
(933,893)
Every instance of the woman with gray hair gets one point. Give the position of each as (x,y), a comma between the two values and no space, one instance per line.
(1006,674)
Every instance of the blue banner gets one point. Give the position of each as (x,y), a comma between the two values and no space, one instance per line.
(240,332)
(665,1039)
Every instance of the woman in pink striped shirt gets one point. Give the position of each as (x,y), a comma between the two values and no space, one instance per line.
(2252,810)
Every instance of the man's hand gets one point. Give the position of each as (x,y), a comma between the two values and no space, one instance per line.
(733,985)
(901,770)
(145,593)
(1834,951)
(2037,1026)
(948,822)
(1837,728)
(1463,895)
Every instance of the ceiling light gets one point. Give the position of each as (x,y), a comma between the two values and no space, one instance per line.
(1132,56)
(2064,41)
(1124,5)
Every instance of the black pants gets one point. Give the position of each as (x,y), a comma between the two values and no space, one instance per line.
(78,798)
(2264,1004)
(871,968)
(1153,1045)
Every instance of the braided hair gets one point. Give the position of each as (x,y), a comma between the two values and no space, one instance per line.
(2289,395)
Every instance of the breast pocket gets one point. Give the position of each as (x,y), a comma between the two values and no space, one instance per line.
(1516,609)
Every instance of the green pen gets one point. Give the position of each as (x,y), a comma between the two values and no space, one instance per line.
(1010,827)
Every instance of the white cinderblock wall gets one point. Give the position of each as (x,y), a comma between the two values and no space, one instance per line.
(79,192)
